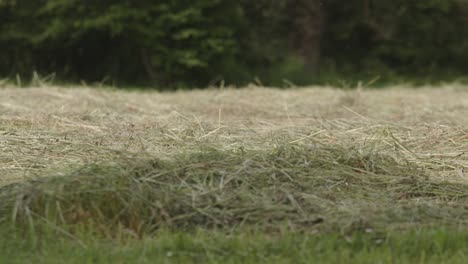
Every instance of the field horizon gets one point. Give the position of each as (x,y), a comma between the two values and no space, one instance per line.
(356,174)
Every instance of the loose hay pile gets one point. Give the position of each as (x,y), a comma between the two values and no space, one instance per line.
(312,158)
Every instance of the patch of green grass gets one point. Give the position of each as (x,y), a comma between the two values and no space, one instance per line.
(423,246)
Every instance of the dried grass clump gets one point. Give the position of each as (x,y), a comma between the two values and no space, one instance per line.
(310,159)
(306,188)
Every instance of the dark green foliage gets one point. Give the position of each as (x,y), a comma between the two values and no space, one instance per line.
(163,42)
(202,42)
(415,37)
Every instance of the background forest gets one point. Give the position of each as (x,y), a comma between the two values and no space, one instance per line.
(197,43)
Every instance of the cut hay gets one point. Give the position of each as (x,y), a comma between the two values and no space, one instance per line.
(310,159)
(43,130)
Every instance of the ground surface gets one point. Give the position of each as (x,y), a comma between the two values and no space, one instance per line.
(317,161)
(43,129)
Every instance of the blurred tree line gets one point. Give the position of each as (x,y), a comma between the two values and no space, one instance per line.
(202,42)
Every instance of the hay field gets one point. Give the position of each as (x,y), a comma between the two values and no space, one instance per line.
(44,129)
(248,175)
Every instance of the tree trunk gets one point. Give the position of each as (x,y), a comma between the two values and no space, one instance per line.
(148,65)
(308,23)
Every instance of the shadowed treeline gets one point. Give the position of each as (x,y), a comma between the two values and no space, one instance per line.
(207,42)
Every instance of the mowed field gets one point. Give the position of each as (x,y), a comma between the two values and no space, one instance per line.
(303,175)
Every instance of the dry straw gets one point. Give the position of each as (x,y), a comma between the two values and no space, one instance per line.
(311,159)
